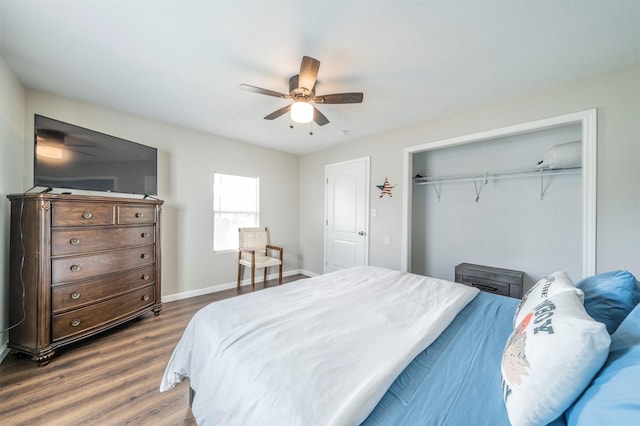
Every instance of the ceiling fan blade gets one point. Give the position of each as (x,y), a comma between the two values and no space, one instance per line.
(262,91)
(308,73)
(319,117)
(278,113)
(83,153)
(50,135)
(339,98)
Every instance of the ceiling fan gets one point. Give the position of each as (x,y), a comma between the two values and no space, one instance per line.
(302,91)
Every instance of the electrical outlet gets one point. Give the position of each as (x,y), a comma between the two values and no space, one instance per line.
(387,240)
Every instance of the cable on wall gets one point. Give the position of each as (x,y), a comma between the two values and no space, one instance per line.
(24,311)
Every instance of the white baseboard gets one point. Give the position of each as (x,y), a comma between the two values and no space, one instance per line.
(308,273)
(227,286)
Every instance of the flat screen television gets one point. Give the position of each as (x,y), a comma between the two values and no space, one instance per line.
(72,157)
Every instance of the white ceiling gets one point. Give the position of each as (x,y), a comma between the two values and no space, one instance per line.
(182,61)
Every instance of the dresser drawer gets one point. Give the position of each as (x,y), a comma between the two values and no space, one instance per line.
(72,296)
(129,215)
(84,319)
(78,214)
(79,240)
(78,268)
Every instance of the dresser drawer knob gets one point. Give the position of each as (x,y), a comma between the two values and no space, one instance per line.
(139,214)
(75,295)
(145,277)
(75,323)
(75,268)
(145,297)
(87,215)
(144,234)
(74,241)
(144,256)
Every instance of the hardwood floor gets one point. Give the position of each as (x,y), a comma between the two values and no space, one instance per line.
(111,379)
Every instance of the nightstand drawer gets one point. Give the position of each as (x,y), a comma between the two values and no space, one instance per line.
(486,285)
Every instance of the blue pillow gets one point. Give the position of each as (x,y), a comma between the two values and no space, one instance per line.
(609,297)
(613,398)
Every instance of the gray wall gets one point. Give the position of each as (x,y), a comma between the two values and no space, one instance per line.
(615,94)
(510,226)
(11,149)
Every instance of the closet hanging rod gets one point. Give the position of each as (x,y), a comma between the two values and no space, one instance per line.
(486,176)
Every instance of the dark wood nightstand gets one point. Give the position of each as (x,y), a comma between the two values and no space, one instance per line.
(505,282)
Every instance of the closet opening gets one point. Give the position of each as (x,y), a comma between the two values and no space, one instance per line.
(483,198)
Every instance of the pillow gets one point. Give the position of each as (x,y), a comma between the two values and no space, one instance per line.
(550,358)
(562,156)
(614,396)
(541,291)
(609,297)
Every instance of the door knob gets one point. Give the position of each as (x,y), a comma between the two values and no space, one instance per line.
(361,233)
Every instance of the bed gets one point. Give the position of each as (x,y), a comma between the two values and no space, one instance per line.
(373,346)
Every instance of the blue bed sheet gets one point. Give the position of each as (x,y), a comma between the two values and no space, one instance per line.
(456,380)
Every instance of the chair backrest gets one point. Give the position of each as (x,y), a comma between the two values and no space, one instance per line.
(253,238)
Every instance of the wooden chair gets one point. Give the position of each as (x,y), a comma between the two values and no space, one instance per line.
(253,252)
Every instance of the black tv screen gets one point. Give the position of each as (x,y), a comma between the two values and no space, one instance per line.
(72,157)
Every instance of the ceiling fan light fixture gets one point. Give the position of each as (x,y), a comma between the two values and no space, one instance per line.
(49,152)
(302,112)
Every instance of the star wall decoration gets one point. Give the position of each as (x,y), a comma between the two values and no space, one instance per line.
(385,188)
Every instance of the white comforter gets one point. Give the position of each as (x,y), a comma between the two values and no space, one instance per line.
(320,351)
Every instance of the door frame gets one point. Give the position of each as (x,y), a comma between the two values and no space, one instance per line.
(367,196)
(587,119)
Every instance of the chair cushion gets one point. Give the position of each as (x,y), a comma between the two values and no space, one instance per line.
(261,262)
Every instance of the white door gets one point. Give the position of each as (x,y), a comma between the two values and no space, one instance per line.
(346,214)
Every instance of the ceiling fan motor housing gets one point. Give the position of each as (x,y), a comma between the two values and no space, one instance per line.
(300,93)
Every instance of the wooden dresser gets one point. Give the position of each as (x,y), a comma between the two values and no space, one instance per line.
(83,263)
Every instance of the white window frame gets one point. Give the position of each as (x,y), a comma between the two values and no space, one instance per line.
(231,207)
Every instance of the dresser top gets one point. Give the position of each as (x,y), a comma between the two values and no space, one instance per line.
(83,198)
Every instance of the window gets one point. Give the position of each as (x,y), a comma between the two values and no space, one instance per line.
(235,205)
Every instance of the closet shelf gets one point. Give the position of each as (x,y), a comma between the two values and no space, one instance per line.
(486,176)
(480,179)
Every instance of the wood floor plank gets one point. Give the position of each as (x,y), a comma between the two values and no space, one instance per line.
(110,379)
